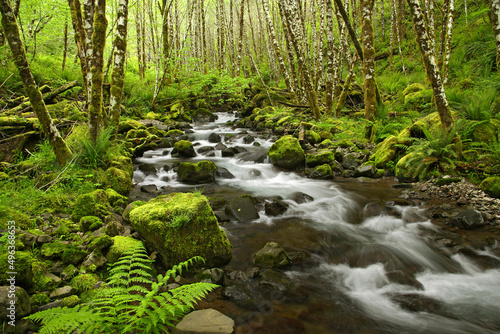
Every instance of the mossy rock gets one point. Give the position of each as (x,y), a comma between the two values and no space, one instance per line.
(202,115)
(384,152)
(287,153)
(91,204)
(312,137)
(8,214)
(491,186)
(53,249)
(70,301)
(431,122)
(100,243)
(175,133)
(486,132)
(39,299)
(22,265)
(120,245)
(22,307)
(152,115)
(410,172)
(344,143)
(115,199)
(130,207)
(129,124)
(420,100)
(119,180)
(196,173)
(325,156)
(122,162)
(135,134)
(184,148)
(90,223)
(413,88)
(323,172)
(404,137)
(73,255)
(200,234)
(84,282)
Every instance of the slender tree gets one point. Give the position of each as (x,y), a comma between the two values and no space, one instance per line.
(11,31)
(447,49)
(368,60)
(431,67)
(330,58)
(495,20)
(88,24)
(77,21)
(117,76)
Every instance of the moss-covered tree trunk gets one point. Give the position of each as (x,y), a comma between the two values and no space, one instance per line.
(88,24)
(368,60)
(98,43)
(495,20)
(430,65)
(77,21)
(119,63)
(11,31)
(447,48)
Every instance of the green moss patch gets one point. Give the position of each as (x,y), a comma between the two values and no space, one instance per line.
(287,153)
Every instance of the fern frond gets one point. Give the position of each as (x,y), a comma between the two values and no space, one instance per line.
(64,319)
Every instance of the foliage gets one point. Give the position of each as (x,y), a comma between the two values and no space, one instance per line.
(124,304)
(476,105)
(438,152)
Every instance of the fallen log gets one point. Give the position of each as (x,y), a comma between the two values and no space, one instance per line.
(26,106)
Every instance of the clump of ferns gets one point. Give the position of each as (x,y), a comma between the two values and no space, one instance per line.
(125,304)
(437,153)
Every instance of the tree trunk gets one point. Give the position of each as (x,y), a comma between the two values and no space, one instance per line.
(117,76)
(88,10)
(350,28)
(430,65)
(65,50)
(330,58)
(345,89)
(495,20)
(447,49)
(11,30)
(293,23)
(240,41)
(98,43)
(77,21)
(368,60)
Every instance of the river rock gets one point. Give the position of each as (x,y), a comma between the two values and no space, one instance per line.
(239,295)
(148,169)
(366,171)
(195,173)
(224,173)
(468,219)
(179,226)
(220,147)
(287,153)
(65,291)
(215,275)
(22,302)
(149,189)
(205,149)
(248,139)
(349,161)
(183,148)
(275,279)
(207,321)
(202,115)
(300,198)
(214,138)
(242,209)
(272,255)
(275,208)
(227,152)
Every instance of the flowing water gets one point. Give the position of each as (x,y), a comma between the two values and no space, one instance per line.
(366,265)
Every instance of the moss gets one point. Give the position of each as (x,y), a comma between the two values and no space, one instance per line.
(119,180)
(384,152)
(115,199)
(448,180)
(491,186)
(39,299)
(344,143)
(120,246)
(8,214)
(486,132)
(324,156)
(202,115)
(22,266)
(73,255)
(183,145)
(174,133)
(84,282)
(134,134)
(152,115)
(406,172)
(129,124)
(404,138)
(90,204)
(130,207)
(122,162)
(69,272)
(284,120)
(70,301)
(420,100)
(312,137)
(287,153)
(53,249)
(194,173)
(200,235)
(90,223)
(3,176)
(101,242)
(413,88)
(322,172)
(44,282)
(380,173)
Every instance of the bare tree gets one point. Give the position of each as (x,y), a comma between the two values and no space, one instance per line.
(495,20)
(368,60)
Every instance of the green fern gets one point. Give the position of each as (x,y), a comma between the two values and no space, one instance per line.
(125,304)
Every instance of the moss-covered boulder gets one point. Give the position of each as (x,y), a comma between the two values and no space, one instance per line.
(90,204)
(115,199)
(119,180)
(90,223)
(287,153)
(202,115)
(491,186)
(84,282)
(312,137)
(196,173)
(486,132)
(410,167)
(22,266)
(135,134)
(323,172)
(22,304)
(272,255)
(129,124)
(325,156)
(53,249)
(180,226)
(420,101)
(413,88)
(8,214)
(384,152)
(120,245)
(183,148)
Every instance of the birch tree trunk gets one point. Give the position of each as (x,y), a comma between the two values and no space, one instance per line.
(88,11)
(11,31)
(65,51)
(98,43)
(368,60)
(138,30)
(430,65)
(350,28)
(330,58)
(293,23)
(117,76)
(240,41)
(447,49)
(77,21)
(495,20)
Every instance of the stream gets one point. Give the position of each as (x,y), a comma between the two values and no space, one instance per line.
(366,262)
